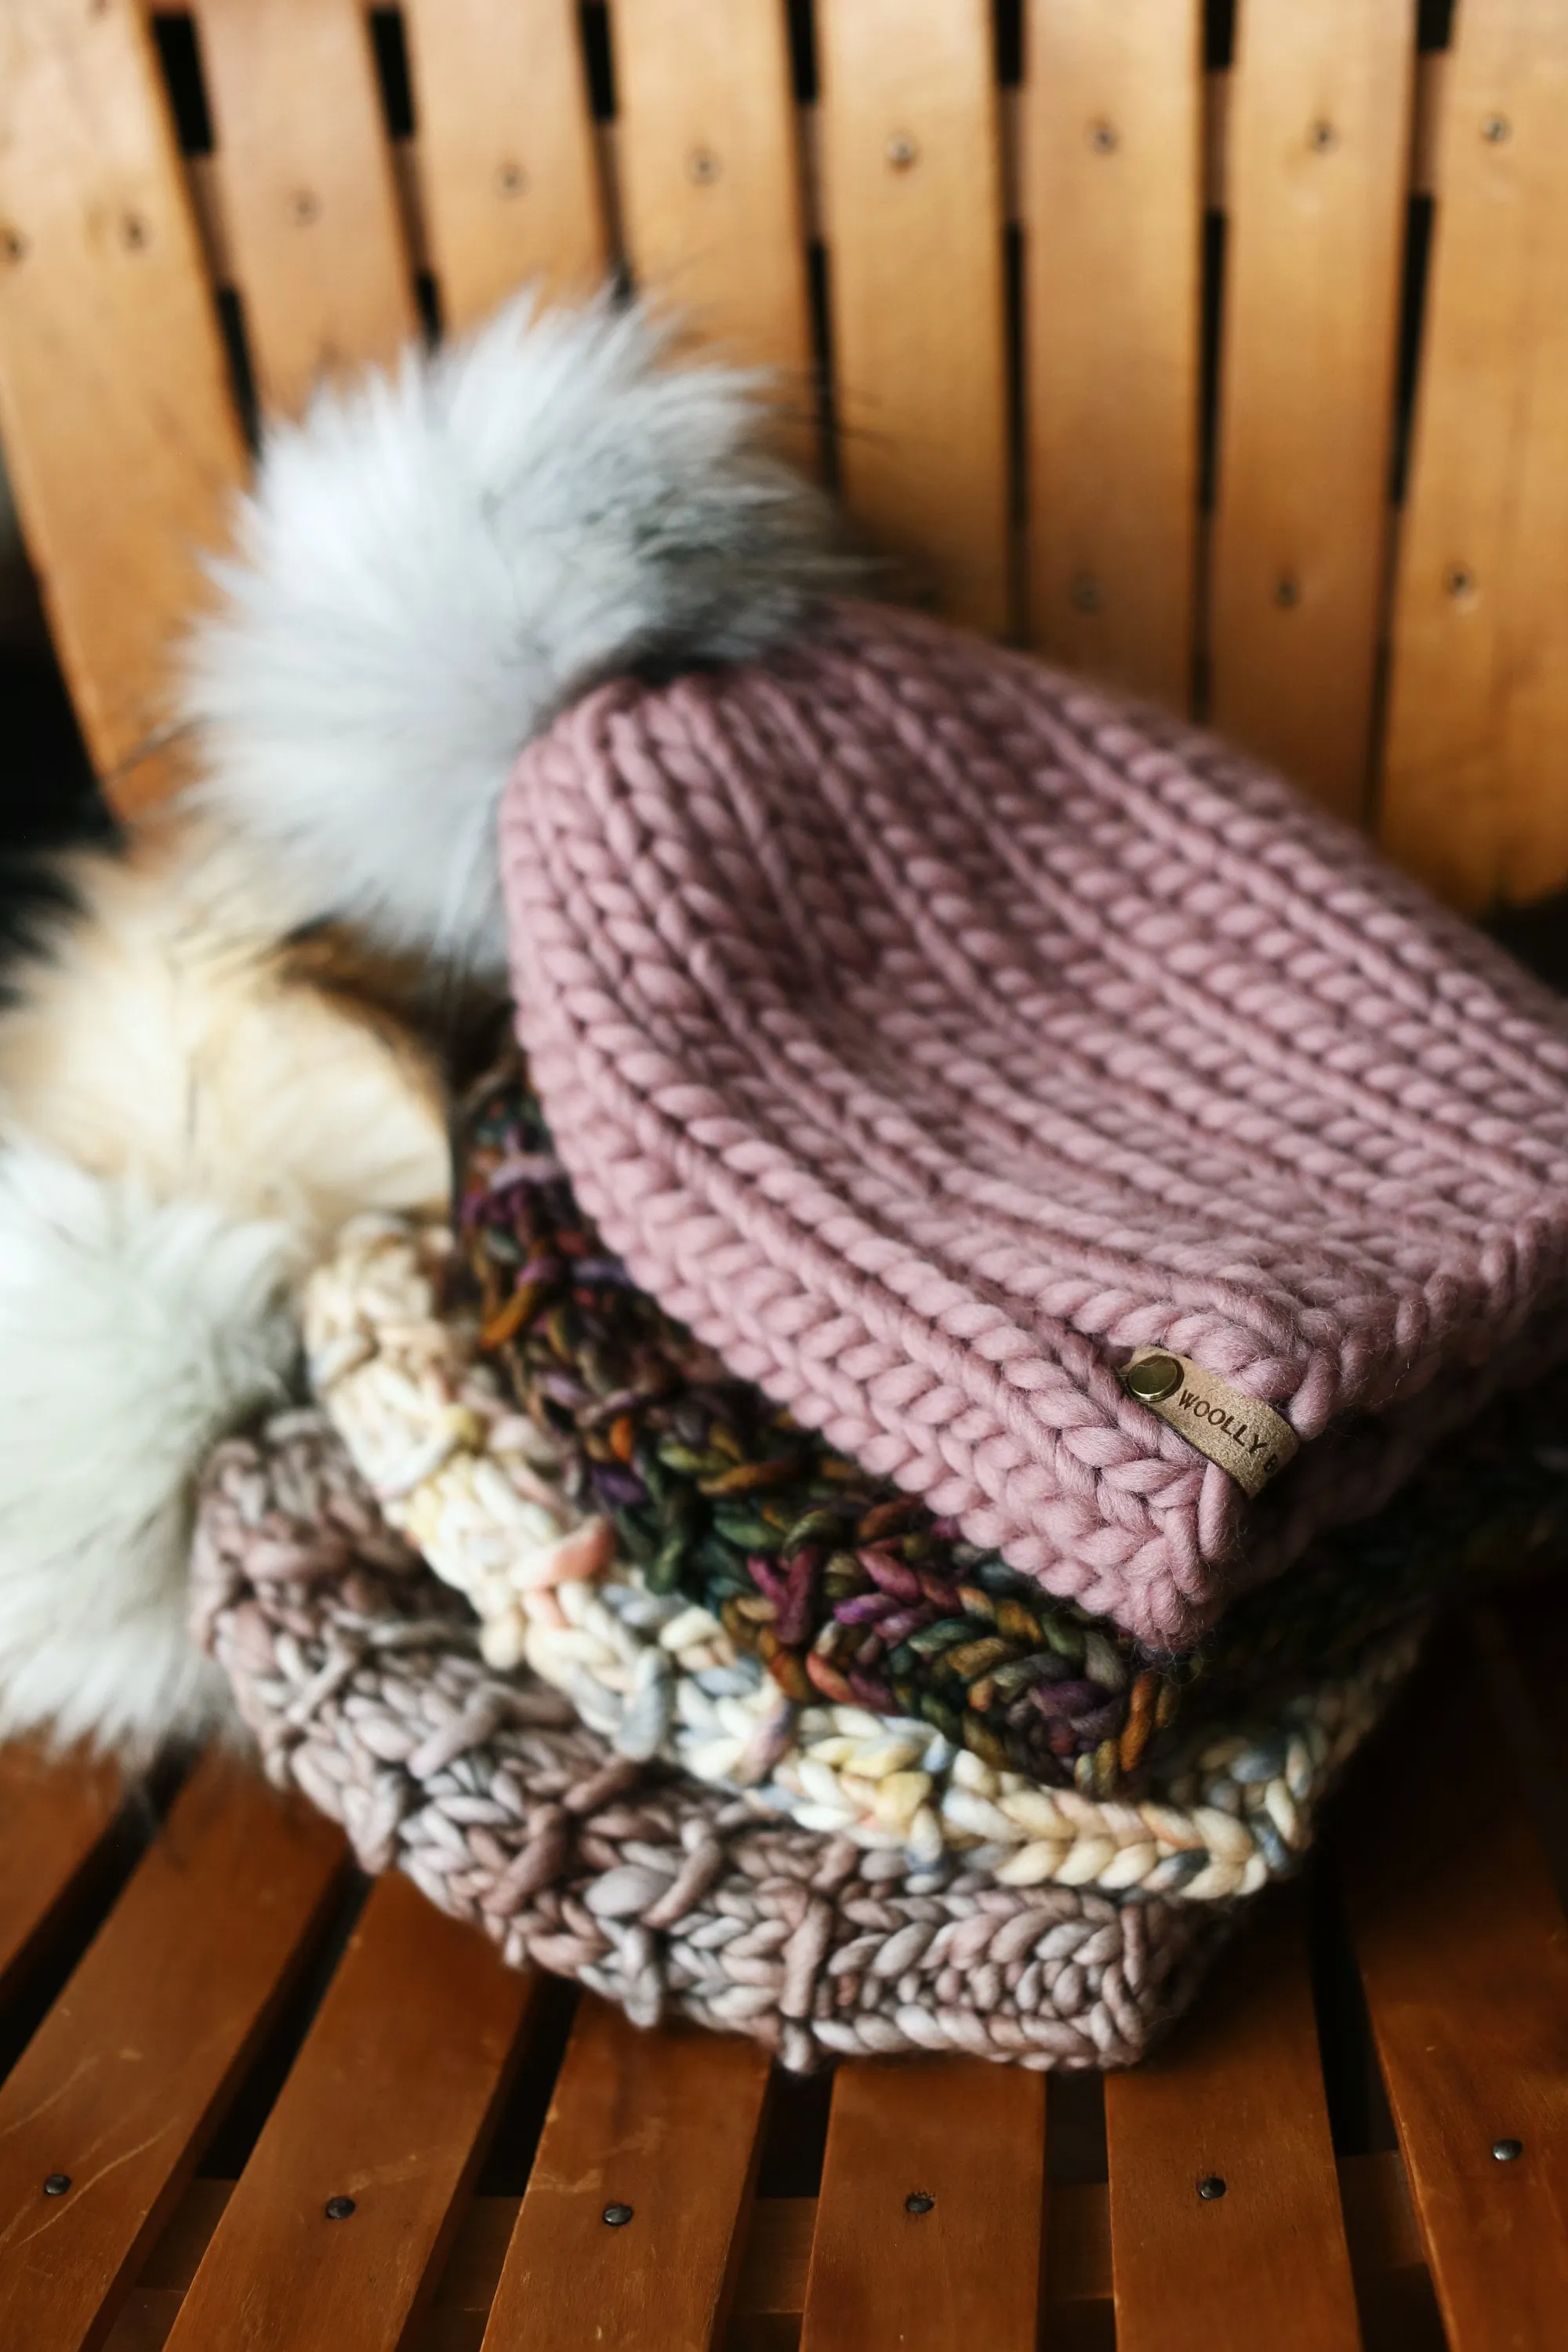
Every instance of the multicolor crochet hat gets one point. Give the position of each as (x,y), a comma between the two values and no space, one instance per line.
(1039,1100)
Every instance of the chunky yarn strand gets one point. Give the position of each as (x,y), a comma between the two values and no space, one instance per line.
(927,1033)
(360,1677)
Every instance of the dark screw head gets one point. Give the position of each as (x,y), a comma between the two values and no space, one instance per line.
(1459,580)
(135,232)
(1322,138)
(1507,2151)
(1287,591)
(1104,138)
(56,2184)
(919,2203)
(901,151)
(1496,129)
(338,2209)
(1083,595)
(12,244)
(1211,2187)
(702,165)
(617,2216)
(305,206)
(511,179)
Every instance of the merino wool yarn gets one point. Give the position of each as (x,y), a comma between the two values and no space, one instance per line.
(361,1677)
(929,1033)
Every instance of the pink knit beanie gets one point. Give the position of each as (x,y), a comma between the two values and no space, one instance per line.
(1037,1098)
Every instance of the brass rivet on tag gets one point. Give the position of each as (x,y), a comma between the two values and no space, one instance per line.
(1156,1378)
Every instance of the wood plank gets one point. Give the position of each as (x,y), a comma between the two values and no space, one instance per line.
(1236,2096)
(912,196)
(1464,1956)
(1319,135)
(1111,125)
(1478,727)
(709,159)
(138,2056)
(389,2103)
(309,200)
(55,1814)
(963,2268)
(662,2126)
(120,436)
(506,157)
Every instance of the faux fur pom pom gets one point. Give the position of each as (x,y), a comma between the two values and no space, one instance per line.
(433,561)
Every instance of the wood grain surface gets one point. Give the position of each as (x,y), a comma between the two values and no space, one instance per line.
(1234,2097)
(661,2127)
(506,164)
(966,2140)
(912,197)
(1320,144)
(1111,128)
(389,2104)
(135,2060)
(120,436)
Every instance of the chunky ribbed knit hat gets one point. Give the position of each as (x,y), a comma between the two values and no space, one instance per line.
(1039,1100)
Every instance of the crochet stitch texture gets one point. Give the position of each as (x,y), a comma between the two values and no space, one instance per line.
(927,1033)
(360,1677)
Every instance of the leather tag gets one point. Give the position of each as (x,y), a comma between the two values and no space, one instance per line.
(1248,1439)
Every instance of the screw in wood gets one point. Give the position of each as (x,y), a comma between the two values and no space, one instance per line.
(919,2203)
(1507,2151)
(702,165)
(510,178)
(1322,138)
(617,2216)
(1459,580)
(1083,595)
(1210,2188)
(305,206)
(135,232)
(338,2209)
(1287,591)
(56,2184)
(1104,138)
(1496,129)
(901,151)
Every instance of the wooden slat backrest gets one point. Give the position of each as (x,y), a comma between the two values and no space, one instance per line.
(1112,223)
(1026,440)
(912,206)
(1474,798)
(119,429)
(309,197)
(508,168)
(1319,154)
(712,203)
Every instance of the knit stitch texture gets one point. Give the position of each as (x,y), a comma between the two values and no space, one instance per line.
(361,1677)
(928,1032)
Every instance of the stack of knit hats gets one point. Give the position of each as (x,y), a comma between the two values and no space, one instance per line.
(932,1393)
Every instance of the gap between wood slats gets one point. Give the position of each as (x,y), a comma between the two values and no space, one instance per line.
(1380,2228)
(1464,1956)
(1431,84)
(313,232)
(1319,140)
